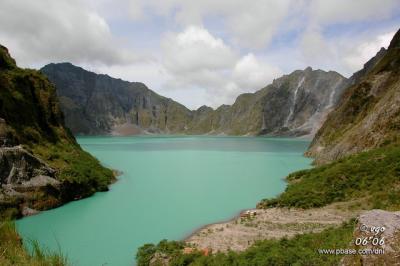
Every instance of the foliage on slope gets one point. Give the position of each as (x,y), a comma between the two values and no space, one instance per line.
(31,116)
(371,179)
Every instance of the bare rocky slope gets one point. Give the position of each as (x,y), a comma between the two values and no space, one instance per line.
(41,164)
(295,104)
(368,115)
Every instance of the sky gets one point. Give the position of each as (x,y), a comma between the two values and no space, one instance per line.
(198,52)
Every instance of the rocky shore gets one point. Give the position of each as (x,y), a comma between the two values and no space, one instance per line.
(245,229)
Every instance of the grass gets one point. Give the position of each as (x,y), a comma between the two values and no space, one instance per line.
(12,251)
(299,250)
(372,179)
(76,167)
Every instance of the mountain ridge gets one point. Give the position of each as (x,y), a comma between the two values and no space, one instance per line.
(140,110)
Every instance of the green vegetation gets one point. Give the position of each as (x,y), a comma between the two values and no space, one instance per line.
(169,248)
(371,179)
(300,250)
(80,171)
(12,251)
(31,116)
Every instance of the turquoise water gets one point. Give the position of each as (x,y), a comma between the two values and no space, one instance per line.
(170,186)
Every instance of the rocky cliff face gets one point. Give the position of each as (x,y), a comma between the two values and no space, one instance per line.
(39,157)
(98,104)
(295,104)
(368,115)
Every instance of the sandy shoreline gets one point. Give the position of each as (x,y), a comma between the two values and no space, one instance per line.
(198,229)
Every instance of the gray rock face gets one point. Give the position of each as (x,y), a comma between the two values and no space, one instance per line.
(98,104)
(18,166)
(21,170)
(22,178)
(295,104)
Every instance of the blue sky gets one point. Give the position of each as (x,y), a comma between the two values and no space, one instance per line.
(199,52)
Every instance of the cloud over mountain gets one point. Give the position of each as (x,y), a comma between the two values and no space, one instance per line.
(198,51)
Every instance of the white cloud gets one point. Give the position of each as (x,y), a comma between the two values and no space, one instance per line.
(345,54)
(252,23)
(195,49)
(196,60)
(345,11)
(250,74)
(44,31)
(358,55)
(315,48)
(214,50)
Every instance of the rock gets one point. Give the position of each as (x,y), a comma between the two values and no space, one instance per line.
(22,177)
(26,211)
(41,181)
(380,218)
(381,232)
(159,259)
(98,104)
(368,114)
(17,166)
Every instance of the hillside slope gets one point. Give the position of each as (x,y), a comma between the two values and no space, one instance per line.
(295,104)
(368,115)
(41,164)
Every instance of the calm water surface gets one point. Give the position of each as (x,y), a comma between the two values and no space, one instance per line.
(170,186)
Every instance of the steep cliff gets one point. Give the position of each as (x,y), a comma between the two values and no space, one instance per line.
(98,104)
(41,164)
(368,115)
(294,104)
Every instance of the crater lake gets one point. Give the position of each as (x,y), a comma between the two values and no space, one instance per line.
(169,187)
